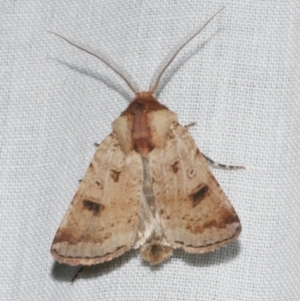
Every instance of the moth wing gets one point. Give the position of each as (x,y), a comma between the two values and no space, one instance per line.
(101,223)
(195,213)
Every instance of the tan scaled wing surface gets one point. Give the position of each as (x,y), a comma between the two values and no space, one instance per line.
(102,221)
(194,212)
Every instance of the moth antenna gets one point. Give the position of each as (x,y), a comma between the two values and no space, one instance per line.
(154,87)
(100,58)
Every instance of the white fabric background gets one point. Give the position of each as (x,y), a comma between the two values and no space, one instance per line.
(239,80)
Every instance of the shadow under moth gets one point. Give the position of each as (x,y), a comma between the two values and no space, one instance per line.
(148,187)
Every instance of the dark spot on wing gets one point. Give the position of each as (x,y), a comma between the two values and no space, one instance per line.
(228,217)
(65,235)
(175,167)
(115,175)
(92,206)
(199,195)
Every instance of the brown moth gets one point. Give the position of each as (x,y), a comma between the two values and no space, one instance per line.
(149,187)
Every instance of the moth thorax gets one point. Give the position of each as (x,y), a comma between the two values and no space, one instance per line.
(144,125)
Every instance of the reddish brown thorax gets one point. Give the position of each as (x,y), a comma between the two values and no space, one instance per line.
(138,113)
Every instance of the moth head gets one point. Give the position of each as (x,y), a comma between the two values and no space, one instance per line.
(152,88)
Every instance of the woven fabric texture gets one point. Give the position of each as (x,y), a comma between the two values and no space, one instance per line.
(239,80)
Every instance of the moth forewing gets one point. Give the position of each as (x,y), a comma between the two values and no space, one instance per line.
(149,187)
(102,221)
(195,213)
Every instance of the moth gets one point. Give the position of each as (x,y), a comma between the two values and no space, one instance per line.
(148,187)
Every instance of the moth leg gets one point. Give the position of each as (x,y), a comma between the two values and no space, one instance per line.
(190,125)
(216,164)
(212,162)
(76,275)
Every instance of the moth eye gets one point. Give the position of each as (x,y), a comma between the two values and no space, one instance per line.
(191,172)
